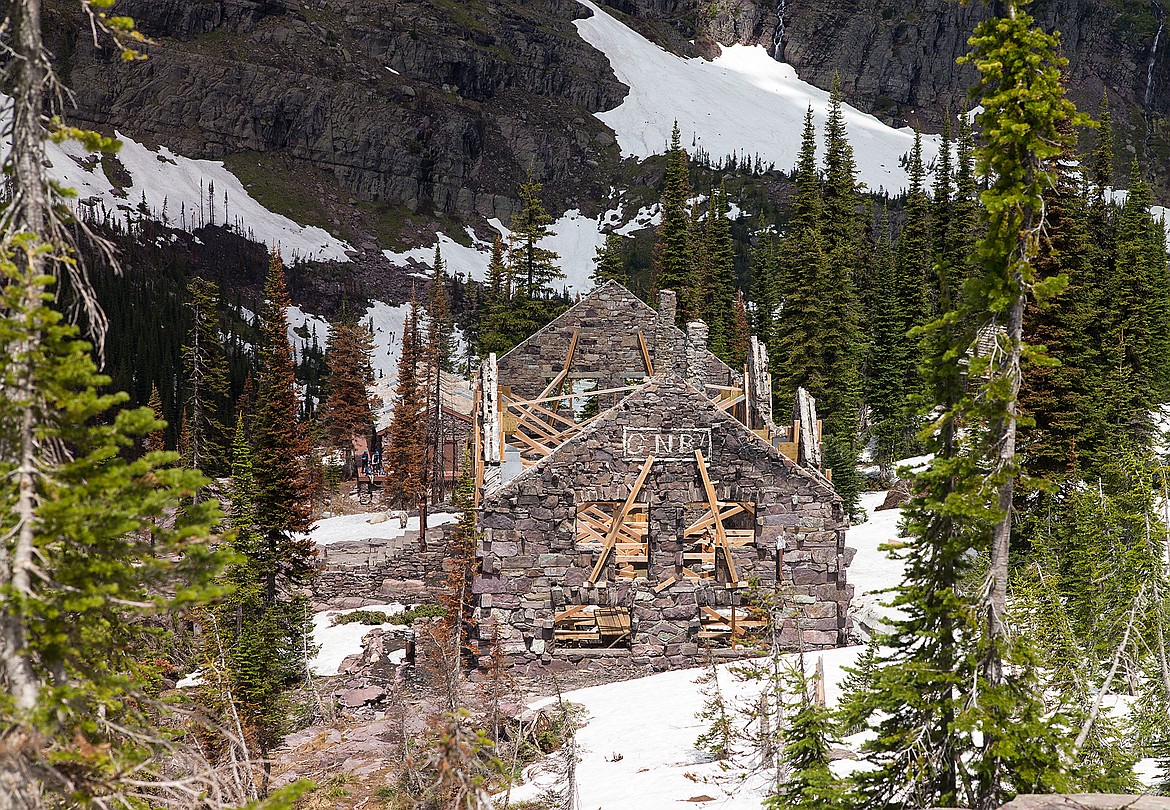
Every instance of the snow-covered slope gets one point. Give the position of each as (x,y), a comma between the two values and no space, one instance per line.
(743,102)
(575,239)
(179,191)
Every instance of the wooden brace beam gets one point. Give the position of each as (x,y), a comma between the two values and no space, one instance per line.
(720,534)
(619,519)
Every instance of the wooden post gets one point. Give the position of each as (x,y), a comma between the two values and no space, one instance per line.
(820,682)
(422,523)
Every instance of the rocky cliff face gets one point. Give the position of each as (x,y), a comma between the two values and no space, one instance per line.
(435,105)
(898,59)
(385,113)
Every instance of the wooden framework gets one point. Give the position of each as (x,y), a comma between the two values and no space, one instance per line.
(595,520)
(617,526)
(592,626)
(729,625)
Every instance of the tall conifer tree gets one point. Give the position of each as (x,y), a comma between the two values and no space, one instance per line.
(206,381)
(281,449)
(608,263)
(348,412)
(673,269)
(717,307)
(404,457)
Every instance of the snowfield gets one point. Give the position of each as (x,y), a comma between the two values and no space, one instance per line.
(180,187)
(744,102)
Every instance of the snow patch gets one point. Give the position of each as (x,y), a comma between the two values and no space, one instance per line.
(335,643)
(742,102)
(163,182)
(358,527)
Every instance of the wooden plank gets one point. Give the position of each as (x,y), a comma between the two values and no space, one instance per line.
(728,404)
(720,536)
(535,411)
(541,400)
(714,614)
(727,510)
(564,372)
(645,354)
(620,517)
(662,586)
(533,443)
(573,611)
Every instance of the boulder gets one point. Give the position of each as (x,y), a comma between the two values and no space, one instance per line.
(897,497)
(355,698)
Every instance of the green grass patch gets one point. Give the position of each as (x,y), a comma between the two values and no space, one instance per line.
(376,617)
(284,188)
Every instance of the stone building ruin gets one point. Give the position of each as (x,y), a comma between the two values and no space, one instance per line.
(634,487)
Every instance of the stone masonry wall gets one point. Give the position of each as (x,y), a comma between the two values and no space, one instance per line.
(608,351)
(376,571)
(532,568)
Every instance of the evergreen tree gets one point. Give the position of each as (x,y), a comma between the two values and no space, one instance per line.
(718,737)
(717,308)
(348,411)
(793,353)
(255,648)
(673,269)
(153,441)
(963,225)
(741,334)
(807,740)
(92,546)
(609,264)
(818,337)
(887,362)
(692,298)
(493,332)
(404,457)
(1026,119)
(941,210)
(206,381)
(1063,398)
(1101,161)
(281,450)
(534,268)
(1136,342)
(441,344)
(913,266)
(765,289)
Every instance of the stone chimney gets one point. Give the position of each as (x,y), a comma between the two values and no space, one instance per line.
(759,384)
(696,372)
(489,418)
(668,305)
(665,362)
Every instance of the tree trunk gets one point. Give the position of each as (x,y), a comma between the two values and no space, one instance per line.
(1005,442)
(27,78)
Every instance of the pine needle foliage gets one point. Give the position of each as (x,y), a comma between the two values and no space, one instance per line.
(807,741)
(348,410)
(87,556)
(282,499)
(673,268)
(206,382)
(406,447)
